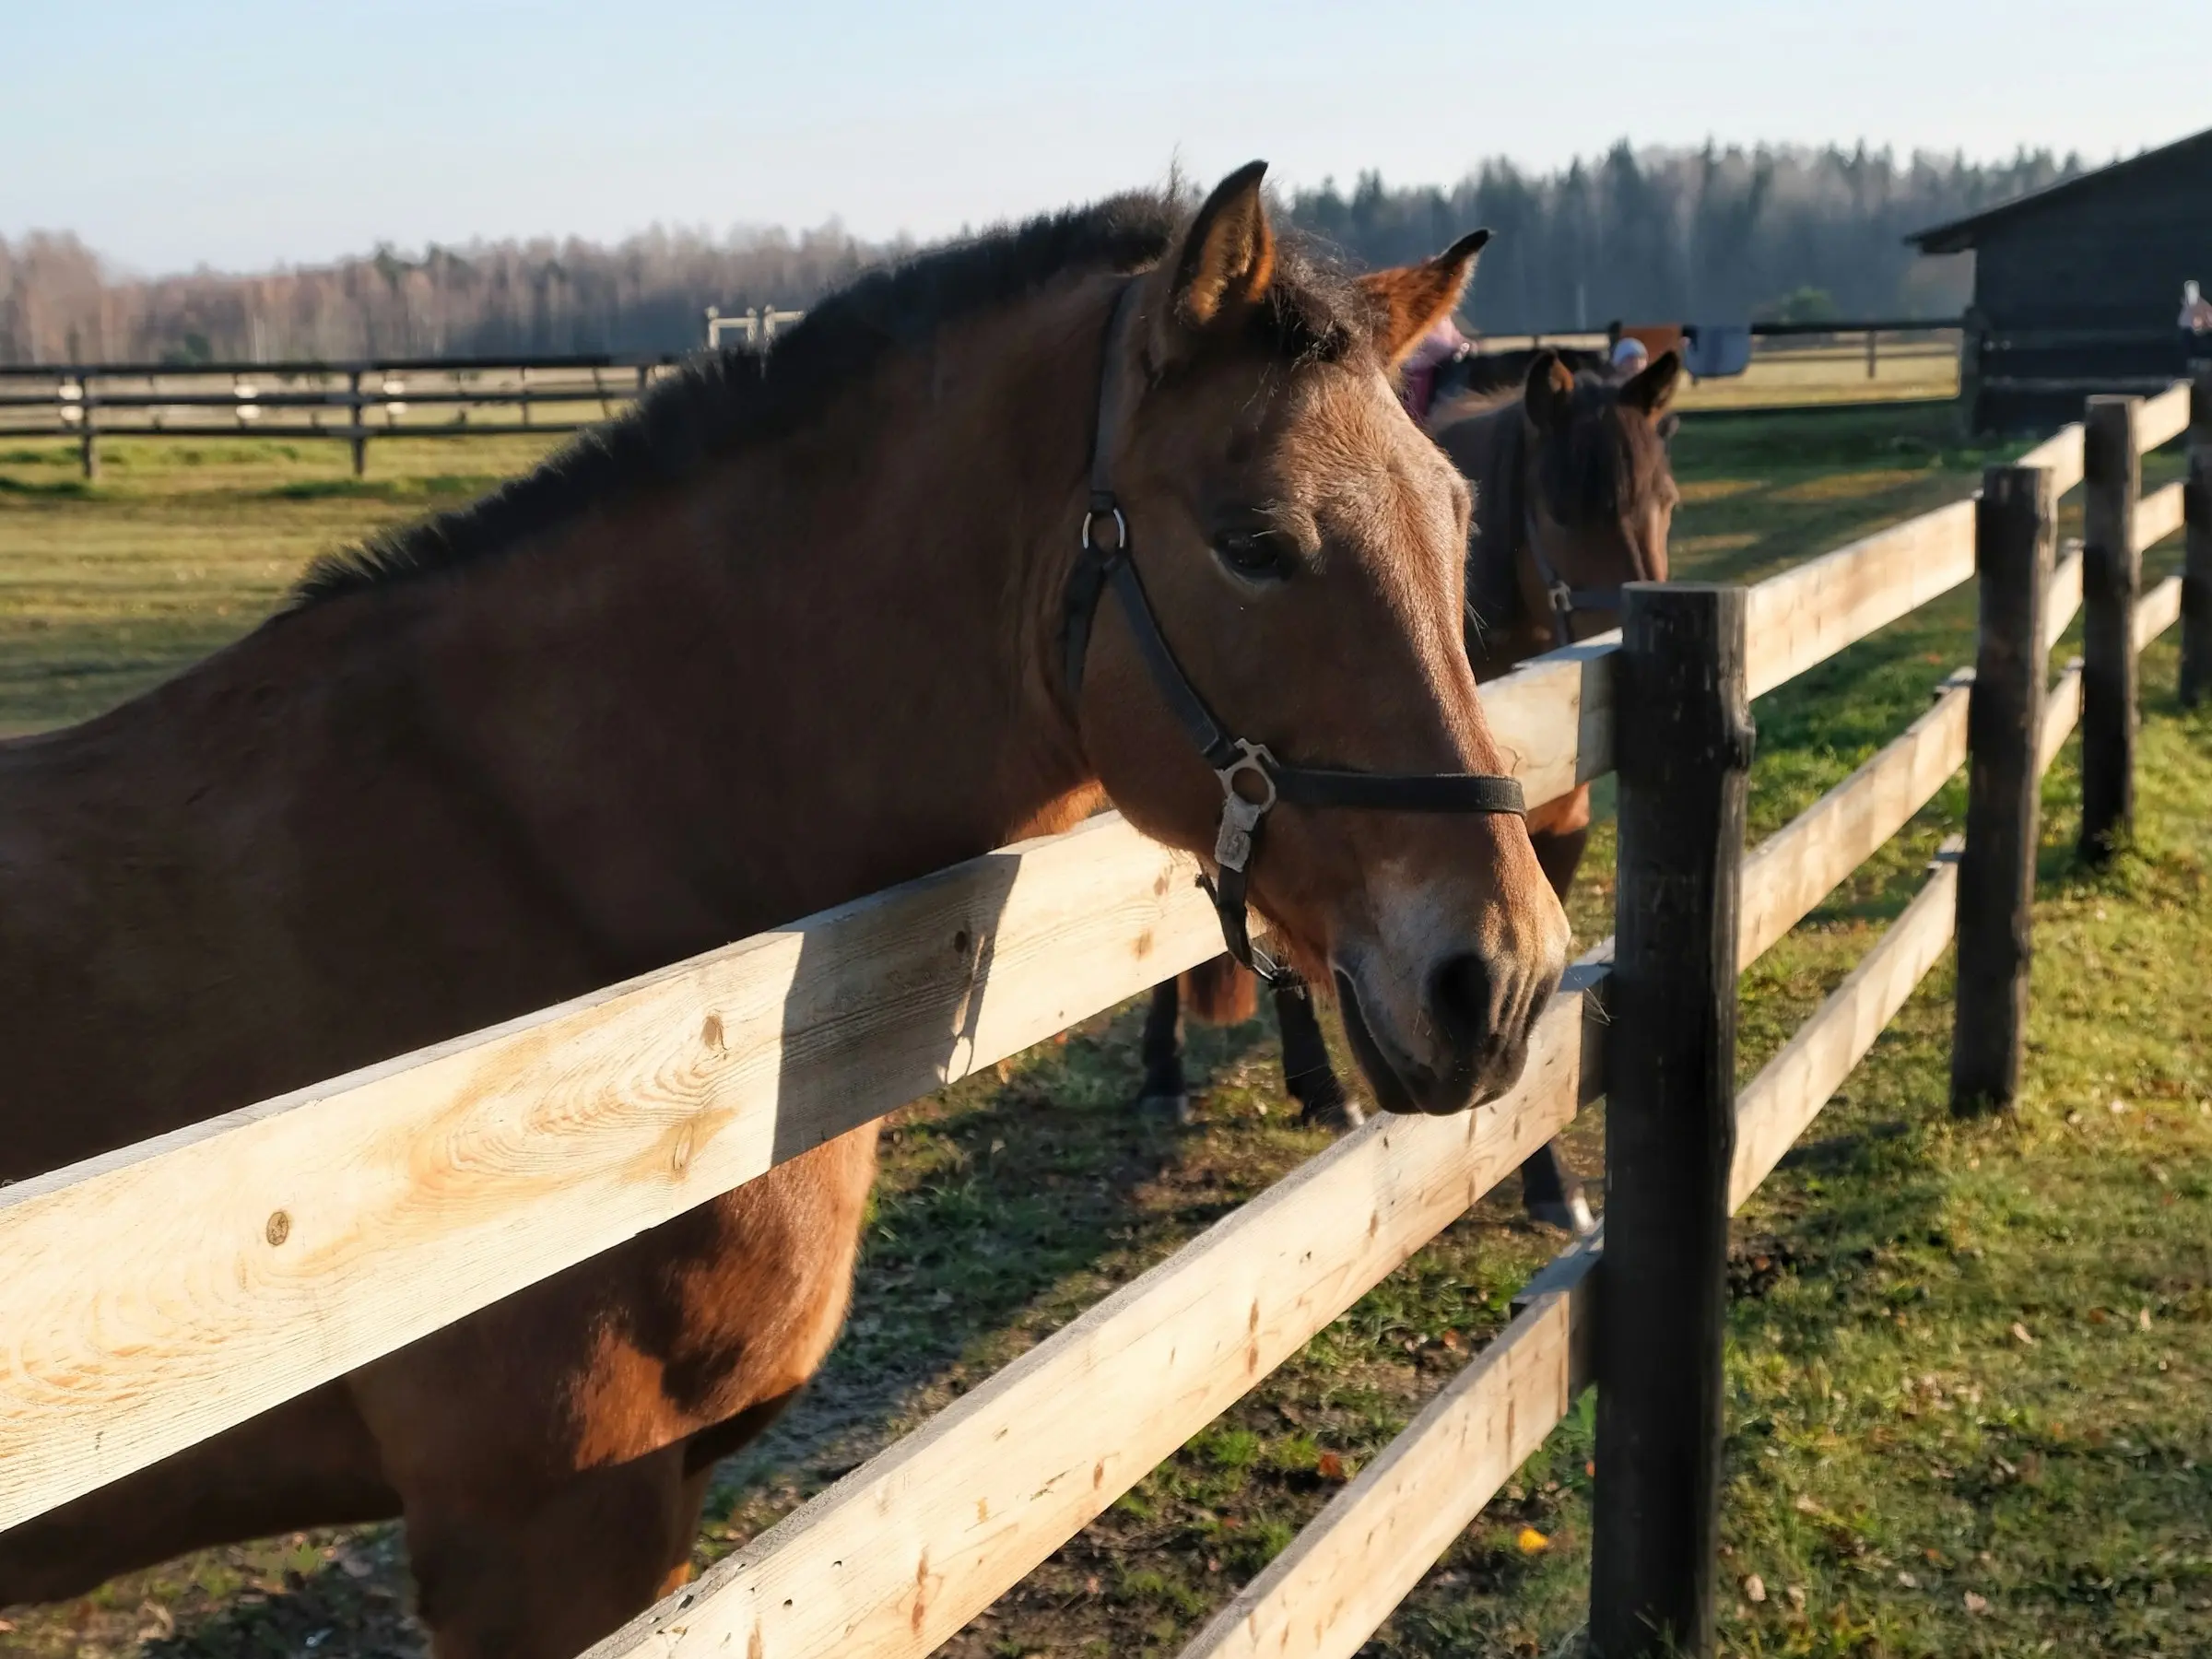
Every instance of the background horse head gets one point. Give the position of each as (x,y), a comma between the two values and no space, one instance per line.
(1576,499)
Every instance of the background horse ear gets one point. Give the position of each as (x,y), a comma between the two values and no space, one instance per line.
(1653,387)
(1549,393)
(1225,264)
(1409,301)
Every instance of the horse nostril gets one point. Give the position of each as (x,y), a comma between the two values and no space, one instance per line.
(1461,997)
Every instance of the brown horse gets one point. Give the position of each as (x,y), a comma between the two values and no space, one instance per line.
(1574,497)
(790,632)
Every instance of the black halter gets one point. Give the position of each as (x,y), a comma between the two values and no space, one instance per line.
(1240,764)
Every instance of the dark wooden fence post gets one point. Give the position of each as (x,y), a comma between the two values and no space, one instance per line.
(1684,748)
(2015,533)
(88,418)
(2111,579)
(361,424)
(2197,575)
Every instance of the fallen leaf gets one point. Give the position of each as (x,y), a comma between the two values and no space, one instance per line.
(1908,1580)
(2117,1107)
(1976,1604)
(1090,1585)
(2020,1334)
(1755,1588)
(1329,1467)
(1796,1594)
(1590,1468)
(1529,1541)
(1805,1506)
(2143,1320)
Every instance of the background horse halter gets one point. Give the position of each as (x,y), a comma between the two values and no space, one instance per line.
(1252,781)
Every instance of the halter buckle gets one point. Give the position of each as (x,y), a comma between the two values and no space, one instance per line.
(1241,815)
(1562,597)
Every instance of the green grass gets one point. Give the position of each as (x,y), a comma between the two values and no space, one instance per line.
(1881,1407)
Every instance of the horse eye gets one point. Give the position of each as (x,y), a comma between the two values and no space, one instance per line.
(1252,553)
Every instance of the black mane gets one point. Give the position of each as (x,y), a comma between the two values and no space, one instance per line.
(719,402)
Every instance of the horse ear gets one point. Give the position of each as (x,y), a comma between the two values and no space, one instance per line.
(1653,387)
(1549,394)
(1224,265)
(1409,301)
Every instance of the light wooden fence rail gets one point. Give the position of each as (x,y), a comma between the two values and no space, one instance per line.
(151,1302)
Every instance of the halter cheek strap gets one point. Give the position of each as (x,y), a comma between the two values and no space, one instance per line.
(1252,781)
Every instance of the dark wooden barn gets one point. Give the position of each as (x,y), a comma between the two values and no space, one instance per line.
(2077,288)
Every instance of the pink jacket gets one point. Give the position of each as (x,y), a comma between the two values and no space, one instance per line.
(1417,375)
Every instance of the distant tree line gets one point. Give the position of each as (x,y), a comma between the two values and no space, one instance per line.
(59,302)
(1712,235)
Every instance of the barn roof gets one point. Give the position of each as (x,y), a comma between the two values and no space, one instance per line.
(1958,235)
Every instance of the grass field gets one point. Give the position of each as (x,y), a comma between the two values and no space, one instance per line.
(1966,1364)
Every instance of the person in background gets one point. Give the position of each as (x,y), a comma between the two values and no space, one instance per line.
(2196,324)
(1629,357)
(1417,375)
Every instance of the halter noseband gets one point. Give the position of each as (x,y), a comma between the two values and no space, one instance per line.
(1252,781)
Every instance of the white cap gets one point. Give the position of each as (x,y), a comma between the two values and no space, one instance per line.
(1628,349)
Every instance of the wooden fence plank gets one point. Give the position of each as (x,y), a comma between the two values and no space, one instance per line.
(1553,716)
(2160,514)
(2062,454)
(2160,609)
(2064,598)
(1806,615)
(902,1553)
(146,1309)
(1774,1107)
(2165,417)
(1325,1594)
(2062,713)
(1789,871)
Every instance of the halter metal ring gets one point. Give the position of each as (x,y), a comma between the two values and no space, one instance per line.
(1562,597)
(1256,760)
(1121,531)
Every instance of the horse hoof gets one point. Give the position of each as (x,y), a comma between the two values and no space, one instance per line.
(1568,1215)
(1339,1113)
(1175,1106)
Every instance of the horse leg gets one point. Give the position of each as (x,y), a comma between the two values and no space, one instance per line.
(546,1580)
(1164,1090)
(1307,1074)
(1550,1191)
(309,1462)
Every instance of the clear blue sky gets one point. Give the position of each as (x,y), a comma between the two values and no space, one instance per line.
(246,134)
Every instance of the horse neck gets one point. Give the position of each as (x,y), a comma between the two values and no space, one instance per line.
(813,671)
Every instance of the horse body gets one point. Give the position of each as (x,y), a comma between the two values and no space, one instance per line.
(758,649)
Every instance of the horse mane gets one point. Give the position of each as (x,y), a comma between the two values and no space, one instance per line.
(741,397)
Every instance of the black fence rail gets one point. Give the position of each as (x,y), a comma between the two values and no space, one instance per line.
(351,402)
